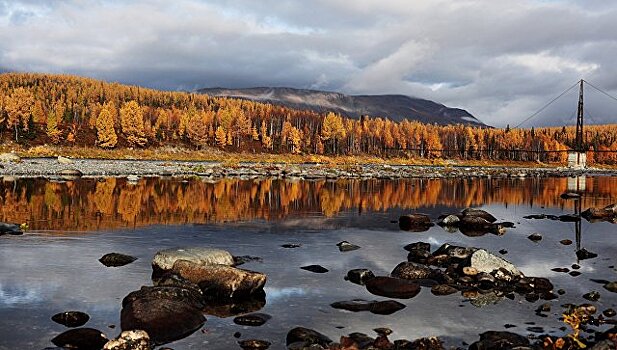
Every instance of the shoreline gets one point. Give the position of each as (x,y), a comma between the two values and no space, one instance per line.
(59,167)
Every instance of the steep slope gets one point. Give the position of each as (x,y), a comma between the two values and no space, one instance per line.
(394,107)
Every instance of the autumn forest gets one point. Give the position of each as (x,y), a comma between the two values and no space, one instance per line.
(37,109)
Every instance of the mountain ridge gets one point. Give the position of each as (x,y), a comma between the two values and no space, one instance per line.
(396,107)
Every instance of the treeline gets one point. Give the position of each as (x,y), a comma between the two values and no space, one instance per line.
(70,110)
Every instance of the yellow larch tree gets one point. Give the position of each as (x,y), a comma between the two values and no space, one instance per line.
(105,132)
(132,122)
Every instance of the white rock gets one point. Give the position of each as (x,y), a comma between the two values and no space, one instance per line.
(64,160)
(130,340)
(165,259)
(483,261)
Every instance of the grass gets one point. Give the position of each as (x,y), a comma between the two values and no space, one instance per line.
(233,158)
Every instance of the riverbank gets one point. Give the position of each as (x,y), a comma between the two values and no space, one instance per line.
(61,166)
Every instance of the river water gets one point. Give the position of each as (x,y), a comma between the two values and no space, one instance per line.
(54,267)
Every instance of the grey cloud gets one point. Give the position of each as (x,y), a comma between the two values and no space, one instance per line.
(501,60)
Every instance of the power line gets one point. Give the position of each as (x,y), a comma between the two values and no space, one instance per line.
(548,104)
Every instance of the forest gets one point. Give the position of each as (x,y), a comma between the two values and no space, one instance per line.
(47,109)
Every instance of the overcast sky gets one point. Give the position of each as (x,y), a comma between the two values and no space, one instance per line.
(500,59)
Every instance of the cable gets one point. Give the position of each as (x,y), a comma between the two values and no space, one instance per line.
(600,90)
(548,104)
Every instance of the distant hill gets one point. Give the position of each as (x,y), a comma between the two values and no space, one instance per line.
(394,107)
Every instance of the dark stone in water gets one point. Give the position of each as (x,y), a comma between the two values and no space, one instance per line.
(415,222)
(611,287)
(315,268)
(574,273)
(391,287)
(496,340)
(609,313)
(412,271)
(307,337)
(81,338)
(592,296)
(345,246)
(418,246)
(254,344)
(479,213)
(383,331)
(561,269)
(240,260)
(116,259)
(443,289)
(71,318)
(535,329)
(386,307)
(172,293)
(237,335)
(566,241)
(570,195)
(291,245)
(535,237)
(503,252)
(11,229)
(359,276)
(583,254)
(569,218)
(575,266)
(535,216)
(255,320)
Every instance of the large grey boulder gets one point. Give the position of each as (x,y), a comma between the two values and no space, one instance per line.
(484,261)
(165,259)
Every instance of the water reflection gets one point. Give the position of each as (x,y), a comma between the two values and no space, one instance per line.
(97,204)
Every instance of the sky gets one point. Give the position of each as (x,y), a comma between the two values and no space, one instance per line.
(502,60)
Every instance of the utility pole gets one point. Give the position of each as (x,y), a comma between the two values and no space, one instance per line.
(579,143)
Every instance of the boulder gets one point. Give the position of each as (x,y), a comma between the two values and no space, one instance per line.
(130,340)
(359,276)
(81,338)
(71,318)
(391,287)
(472,212)
(220,281)
(415,222)
(307,337)
(165,259)
(484,261)
(116,259)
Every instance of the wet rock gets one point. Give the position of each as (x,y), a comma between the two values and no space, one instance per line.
(116,259)
(165,320)
(569,218)
(503,252)
(172,280)
(418,246)
(220,281)
(412,271)
(431,343)
(359,276)
(570,195)
(443,289)
(535,237)
(130,340)
(345,246)
(606,213)
(291,245)
(574,273)
(71,318)
(454,252)
(483,299)
(165,259)
(449,220)
(472,212)
(383,331)
(415,222)
(496,340)
(391,287)
(385,307)
(485,261)
(611,287)
(315,268)
(81,338)
(306,337)
(255,320)
(240,260)
(566,241)
(11,229)
(592,296)
(254,344)
(178,294)
(583,254)
(535,217)
(609,312)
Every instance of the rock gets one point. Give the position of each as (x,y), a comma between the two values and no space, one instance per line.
(291,245)
(484,261)
(116,259)
(359,276)
(432,343)
(221,281)
(606,213)
(132,179)
(391,287)
(412,271)
(254,344)
(172,280)
(592,296)
(240,260)
(609,312)
(178,294)
(454,252)
(164,319)
(496,340)
(377,307)
(476,226)
(611,287)
(70,173)
(535,237)
(472,212)
(130,340)
(443,289)
(418,246)
(64,160)
(345,246)
(535,216)
(566,241)
(81,338)
(583,254)
(470,271)
(449,220)
(71,318)
(307,337)
(11,229)
(383,331)
(165,259)
(235,307)
(315,268)
(569,218)
(570,195)
(415,222)
(10,157)
(254,320)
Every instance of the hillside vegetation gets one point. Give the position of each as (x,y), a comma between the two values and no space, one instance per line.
(38,109)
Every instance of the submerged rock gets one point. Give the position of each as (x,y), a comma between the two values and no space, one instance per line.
(306,337)
(583,254)
(386,307)
(165,259)
(130,340)
(116,259)
(535,237)
(415,222)
(234,307)
(71,318)
(611,287)
(81,338)
(254,320)
(391,287)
